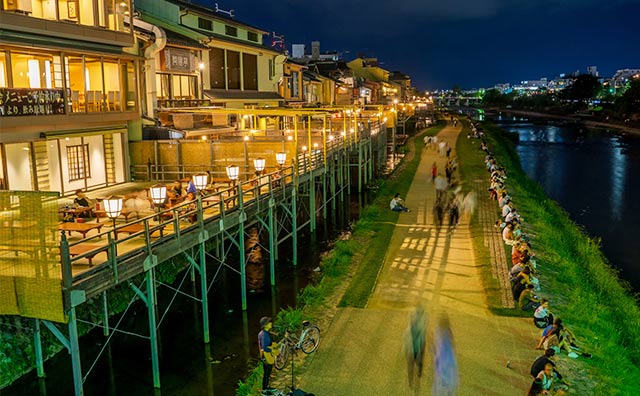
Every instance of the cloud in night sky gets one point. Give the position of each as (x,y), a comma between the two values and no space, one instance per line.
(475,43)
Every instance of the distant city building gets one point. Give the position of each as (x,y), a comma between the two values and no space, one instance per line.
(593,70)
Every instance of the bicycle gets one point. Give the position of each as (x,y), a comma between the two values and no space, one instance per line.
(307,343)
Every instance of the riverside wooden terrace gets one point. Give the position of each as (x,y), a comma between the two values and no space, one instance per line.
(323,164)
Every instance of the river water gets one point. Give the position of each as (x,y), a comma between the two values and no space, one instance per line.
(188,367)
(595,176)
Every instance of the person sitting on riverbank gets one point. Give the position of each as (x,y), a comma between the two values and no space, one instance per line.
(528,301)
(542,317)
(550,331)
(504,199)
(546,378)
(513,216)
(539,364)
(506,208)
(522,281)
(396,204)
(507,235)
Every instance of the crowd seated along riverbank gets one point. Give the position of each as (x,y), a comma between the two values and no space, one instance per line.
(555,337)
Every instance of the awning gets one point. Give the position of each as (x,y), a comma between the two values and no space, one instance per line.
(241,95)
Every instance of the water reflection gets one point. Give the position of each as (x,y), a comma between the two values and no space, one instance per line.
(593,175)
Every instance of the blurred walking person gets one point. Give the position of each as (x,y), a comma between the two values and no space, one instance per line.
(415,343)
(434,171)
(445,365)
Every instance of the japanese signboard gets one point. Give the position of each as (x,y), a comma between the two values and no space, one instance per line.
(31,102)
(179,60)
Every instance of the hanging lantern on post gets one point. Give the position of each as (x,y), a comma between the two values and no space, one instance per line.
(233,171)
(259,164)
(200,181)
(281,158)
(113,207)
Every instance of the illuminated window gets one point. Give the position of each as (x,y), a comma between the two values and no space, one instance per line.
(94,84)
(231,31)
(78,162)
(3,71)
(76,83)
(32,70)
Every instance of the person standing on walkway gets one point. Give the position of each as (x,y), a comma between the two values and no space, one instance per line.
(415,342)
(434,171)
(441,187)
(267,353)
(445,365)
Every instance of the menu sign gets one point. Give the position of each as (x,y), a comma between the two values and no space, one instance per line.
(31,102)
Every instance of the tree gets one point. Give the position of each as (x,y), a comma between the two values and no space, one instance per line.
(583,88)
(629,102)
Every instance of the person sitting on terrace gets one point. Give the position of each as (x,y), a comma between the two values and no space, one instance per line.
(542,317)
(82,201)
(396,204)
(528,300)
(191,187)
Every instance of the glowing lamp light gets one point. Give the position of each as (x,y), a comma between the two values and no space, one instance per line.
(158,193)
(203,137)
(343,133)
(113,206)
(304,148)
(200,180)
(201,65)
(315,145)
(281,158)
(233,171)
(330,137)
(259,164)
(352,130)
(395,101)
(289,137)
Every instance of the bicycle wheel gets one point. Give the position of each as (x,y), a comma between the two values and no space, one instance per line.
(310,339)
(282,357)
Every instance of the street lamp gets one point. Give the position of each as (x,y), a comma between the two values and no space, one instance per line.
(259,164)
(113,207)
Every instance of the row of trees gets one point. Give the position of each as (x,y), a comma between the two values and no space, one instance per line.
(584,90)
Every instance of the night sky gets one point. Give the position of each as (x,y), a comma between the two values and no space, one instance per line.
(473,43)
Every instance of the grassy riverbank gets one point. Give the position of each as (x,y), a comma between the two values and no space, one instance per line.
(584,291)
(355,261)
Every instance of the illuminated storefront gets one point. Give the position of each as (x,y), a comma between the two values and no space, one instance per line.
(68,94)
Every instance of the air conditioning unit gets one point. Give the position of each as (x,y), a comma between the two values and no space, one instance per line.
(19,6)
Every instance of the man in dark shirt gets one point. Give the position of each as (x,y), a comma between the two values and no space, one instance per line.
(540,362)
(266,353)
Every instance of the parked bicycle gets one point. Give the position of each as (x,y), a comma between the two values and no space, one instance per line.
(307,342)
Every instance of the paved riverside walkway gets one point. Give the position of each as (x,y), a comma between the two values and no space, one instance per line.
(361,352)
